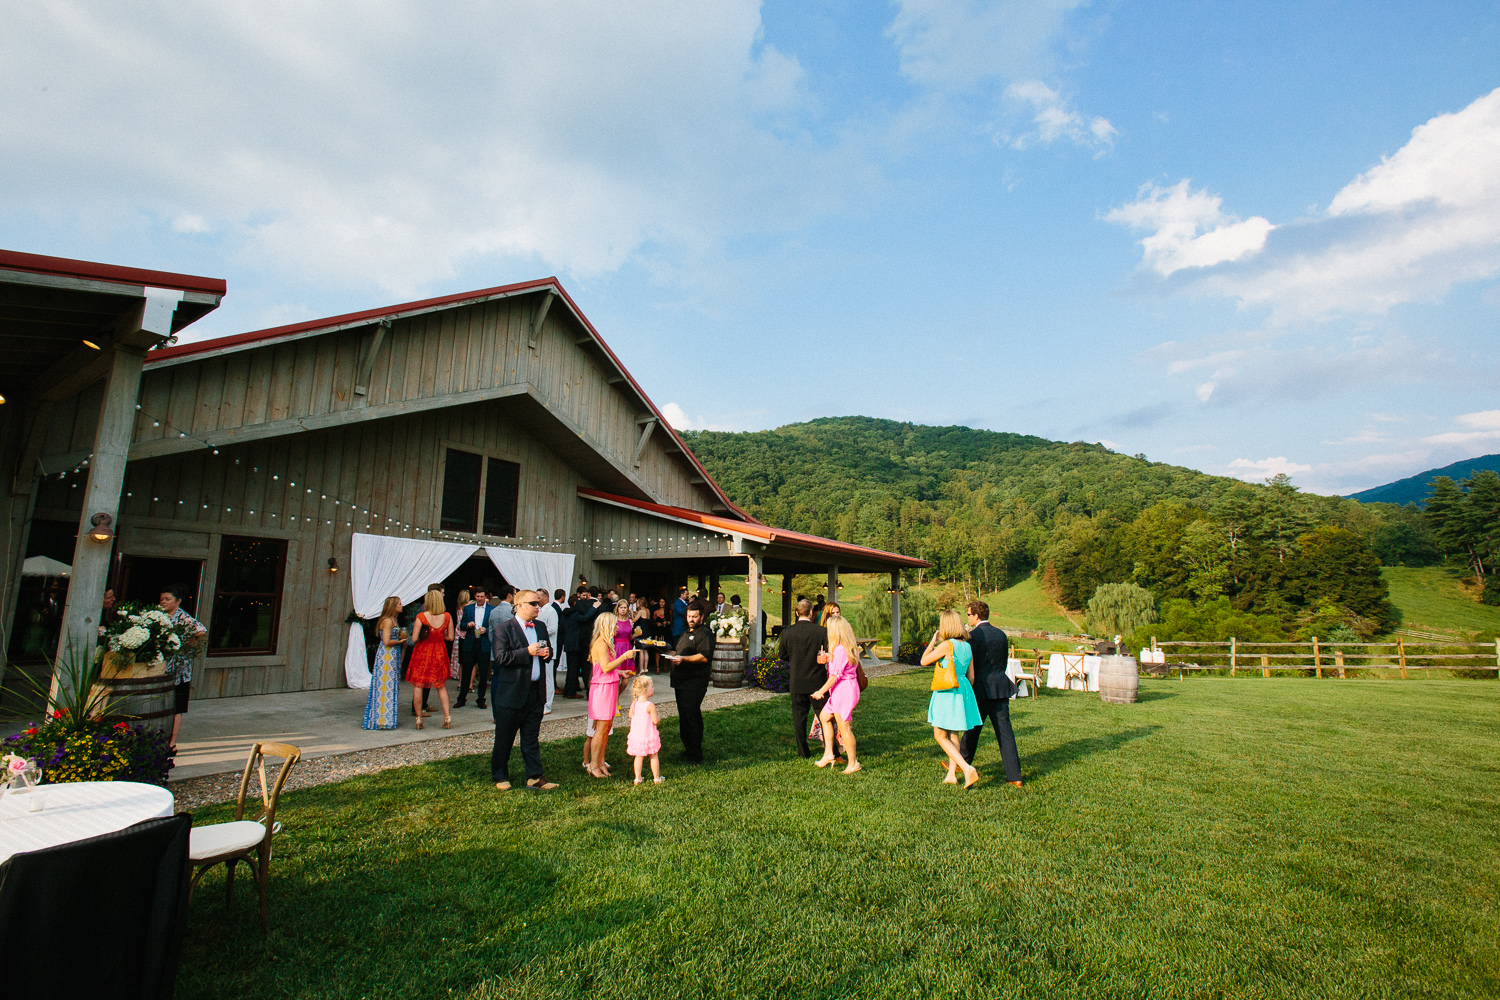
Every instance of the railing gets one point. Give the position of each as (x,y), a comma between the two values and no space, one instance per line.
(1317,656)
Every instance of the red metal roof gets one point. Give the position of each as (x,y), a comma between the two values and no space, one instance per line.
(35,263)
(757,530)
(248,340)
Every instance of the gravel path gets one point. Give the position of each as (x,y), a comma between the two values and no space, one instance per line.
(192,793)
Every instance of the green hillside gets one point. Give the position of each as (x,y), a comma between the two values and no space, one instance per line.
(1415,489)
(1026,605)
(1430,598)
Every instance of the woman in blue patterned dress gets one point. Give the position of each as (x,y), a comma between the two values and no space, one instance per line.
(385,678)
(954,711)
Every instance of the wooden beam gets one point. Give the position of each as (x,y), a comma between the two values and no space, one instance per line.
(640,446)
(82,367)
(367,352)
(541,317)
(26,469)
(615,379)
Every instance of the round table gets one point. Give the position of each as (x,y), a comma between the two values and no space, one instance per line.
(76,811)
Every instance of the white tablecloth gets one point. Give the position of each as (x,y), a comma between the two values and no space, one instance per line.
(1055,670)
(1013,669)
(75,811)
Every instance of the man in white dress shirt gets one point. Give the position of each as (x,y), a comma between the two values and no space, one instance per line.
(548,616)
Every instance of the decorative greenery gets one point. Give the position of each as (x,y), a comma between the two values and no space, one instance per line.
(732,625)
(771,673)
(145,634)
(71,749)
(912,650)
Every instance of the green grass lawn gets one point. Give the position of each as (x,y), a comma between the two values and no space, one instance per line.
(1430,596)
(1224,838)
(1026,605)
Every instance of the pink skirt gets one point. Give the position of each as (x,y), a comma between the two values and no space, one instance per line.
(643,739)
(604,698)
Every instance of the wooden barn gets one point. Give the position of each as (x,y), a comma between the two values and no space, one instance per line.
(270,471)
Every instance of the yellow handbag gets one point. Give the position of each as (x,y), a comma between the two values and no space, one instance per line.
(944,674)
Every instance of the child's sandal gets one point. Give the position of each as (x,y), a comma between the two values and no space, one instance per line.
(657,781)
(639,780)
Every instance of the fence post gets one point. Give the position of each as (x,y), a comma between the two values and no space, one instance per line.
(1497,659)
(1401,652)
(1317,658)
(1233,655)
(1265,665)
(1338,659)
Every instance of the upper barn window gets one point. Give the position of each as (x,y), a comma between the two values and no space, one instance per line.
(471,484)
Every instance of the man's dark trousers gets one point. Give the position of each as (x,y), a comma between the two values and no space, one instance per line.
(997,710)
(801,704)
(528,722)
(578,668)
(475,665)
(690,716)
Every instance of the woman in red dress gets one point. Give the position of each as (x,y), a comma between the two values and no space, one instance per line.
(429,659)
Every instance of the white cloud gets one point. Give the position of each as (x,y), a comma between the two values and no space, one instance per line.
(677,417)
(1244,468)
(394,144)
(1476,428)
(978,47)
(1189,228)
(1409,229)
(1055,118)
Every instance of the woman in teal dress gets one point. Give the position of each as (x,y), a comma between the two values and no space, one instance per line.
(385,678)
(953,711)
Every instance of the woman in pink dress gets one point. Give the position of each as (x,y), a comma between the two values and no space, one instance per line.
(625,629)
(430,662)
(604,687)
(841,690)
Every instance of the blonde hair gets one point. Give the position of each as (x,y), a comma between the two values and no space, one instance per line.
(391,612)
(463,598)
(641,687)
(841,633)
(603,645)
(434,603)
(951,626)
(622,608)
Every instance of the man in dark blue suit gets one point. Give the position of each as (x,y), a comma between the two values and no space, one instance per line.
(993,688)
(523,650)
(474,649)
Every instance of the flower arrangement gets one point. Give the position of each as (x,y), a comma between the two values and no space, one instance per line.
(144,634)
(771,673)
(66,749)
(732,625)
(911,651)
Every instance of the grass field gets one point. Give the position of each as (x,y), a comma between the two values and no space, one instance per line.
(1026,605)
(1430,596)
(1250,838)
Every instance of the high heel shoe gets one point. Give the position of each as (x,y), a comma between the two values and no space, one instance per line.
(447,722)
(419,722)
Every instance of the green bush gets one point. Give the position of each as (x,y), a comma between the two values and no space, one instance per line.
(1120,609)
(1210,621)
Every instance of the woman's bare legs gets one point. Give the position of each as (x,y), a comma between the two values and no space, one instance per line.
(846,735)
(825,722)
(956,761)
(601,745)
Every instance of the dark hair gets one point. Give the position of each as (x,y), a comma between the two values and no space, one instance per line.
(177,590)
(979,610)
(699,607)
(505,591)
(559,594)
(735,599)
(594,590)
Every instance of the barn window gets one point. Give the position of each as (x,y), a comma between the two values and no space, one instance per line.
(502,483)
(247,596)
(461,491)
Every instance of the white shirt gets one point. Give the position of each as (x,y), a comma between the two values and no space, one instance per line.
(548,614)
(536,661)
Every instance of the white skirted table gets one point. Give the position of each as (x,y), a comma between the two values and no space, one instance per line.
(1066,671)
(76,811)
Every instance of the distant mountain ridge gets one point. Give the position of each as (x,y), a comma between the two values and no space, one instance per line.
(1416,488)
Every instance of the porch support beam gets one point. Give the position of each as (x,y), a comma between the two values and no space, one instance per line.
(896,614)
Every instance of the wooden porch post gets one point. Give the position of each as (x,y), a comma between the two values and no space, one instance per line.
(101,495)
(757,639)
(786,600)
(713,586)
(895,615)
(833,584)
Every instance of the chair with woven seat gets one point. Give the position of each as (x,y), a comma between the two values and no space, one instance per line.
(1032,677)
(245,840)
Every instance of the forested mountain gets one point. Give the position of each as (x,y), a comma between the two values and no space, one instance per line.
(990,507)
(1414,489)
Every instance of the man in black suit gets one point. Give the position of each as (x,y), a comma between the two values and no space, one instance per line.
(474,649)
(993,689)
(802,646)
(690,670)
(519,691)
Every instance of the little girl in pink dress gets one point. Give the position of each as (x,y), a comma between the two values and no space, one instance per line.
(644,739)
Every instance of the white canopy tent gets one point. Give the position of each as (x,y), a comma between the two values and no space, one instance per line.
(381,566)
(45,566)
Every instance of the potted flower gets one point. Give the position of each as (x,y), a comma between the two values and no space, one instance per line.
(730,629)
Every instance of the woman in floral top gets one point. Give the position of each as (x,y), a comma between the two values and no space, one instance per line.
(180,666)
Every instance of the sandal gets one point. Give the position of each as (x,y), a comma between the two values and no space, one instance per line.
(973,779)
(657,780)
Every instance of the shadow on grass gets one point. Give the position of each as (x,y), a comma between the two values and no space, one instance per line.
(1051,760)
(1155,695)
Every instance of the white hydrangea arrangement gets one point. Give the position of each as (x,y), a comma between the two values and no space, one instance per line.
(732,625)
(146,634)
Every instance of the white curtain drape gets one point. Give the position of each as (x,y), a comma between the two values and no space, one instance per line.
(526,569)
(381,566)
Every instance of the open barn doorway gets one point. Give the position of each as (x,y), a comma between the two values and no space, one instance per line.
(476,572)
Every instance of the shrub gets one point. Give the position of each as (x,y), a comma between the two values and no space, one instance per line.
(911,651)
(771,674)
(1209,621)
(1120,609)
(93,750)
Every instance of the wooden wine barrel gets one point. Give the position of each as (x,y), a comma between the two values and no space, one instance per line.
(137,692)
(728,667)
(1119,680)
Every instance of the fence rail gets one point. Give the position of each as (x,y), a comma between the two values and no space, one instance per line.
(1317,656)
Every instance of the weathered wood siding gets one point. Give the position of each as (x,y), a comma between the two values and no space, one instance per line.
(624,535)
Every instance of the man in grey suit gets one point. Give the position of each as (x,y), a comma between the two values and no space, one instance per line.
(523,650)
(993,689)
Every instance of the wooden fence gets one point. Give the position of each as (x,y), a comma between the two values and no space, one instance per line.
(1313,658)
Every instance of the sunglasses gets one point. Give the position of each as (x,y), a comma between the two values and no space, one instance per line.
(534,604)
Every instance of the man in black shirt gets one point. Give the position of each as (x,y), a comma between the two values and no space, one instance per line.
(801,644)
(690,668)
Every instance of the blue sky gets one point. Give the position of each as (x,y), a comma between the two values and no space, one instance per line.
(1244,238)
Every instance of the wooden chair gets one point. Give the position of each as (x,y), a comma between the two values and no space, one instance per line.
(1032,677)
(1073,667)
(245,840)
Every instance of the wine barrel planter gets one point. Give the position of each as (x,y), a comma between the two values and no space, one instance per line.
(728,668)
(137,692)
(1119,679)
